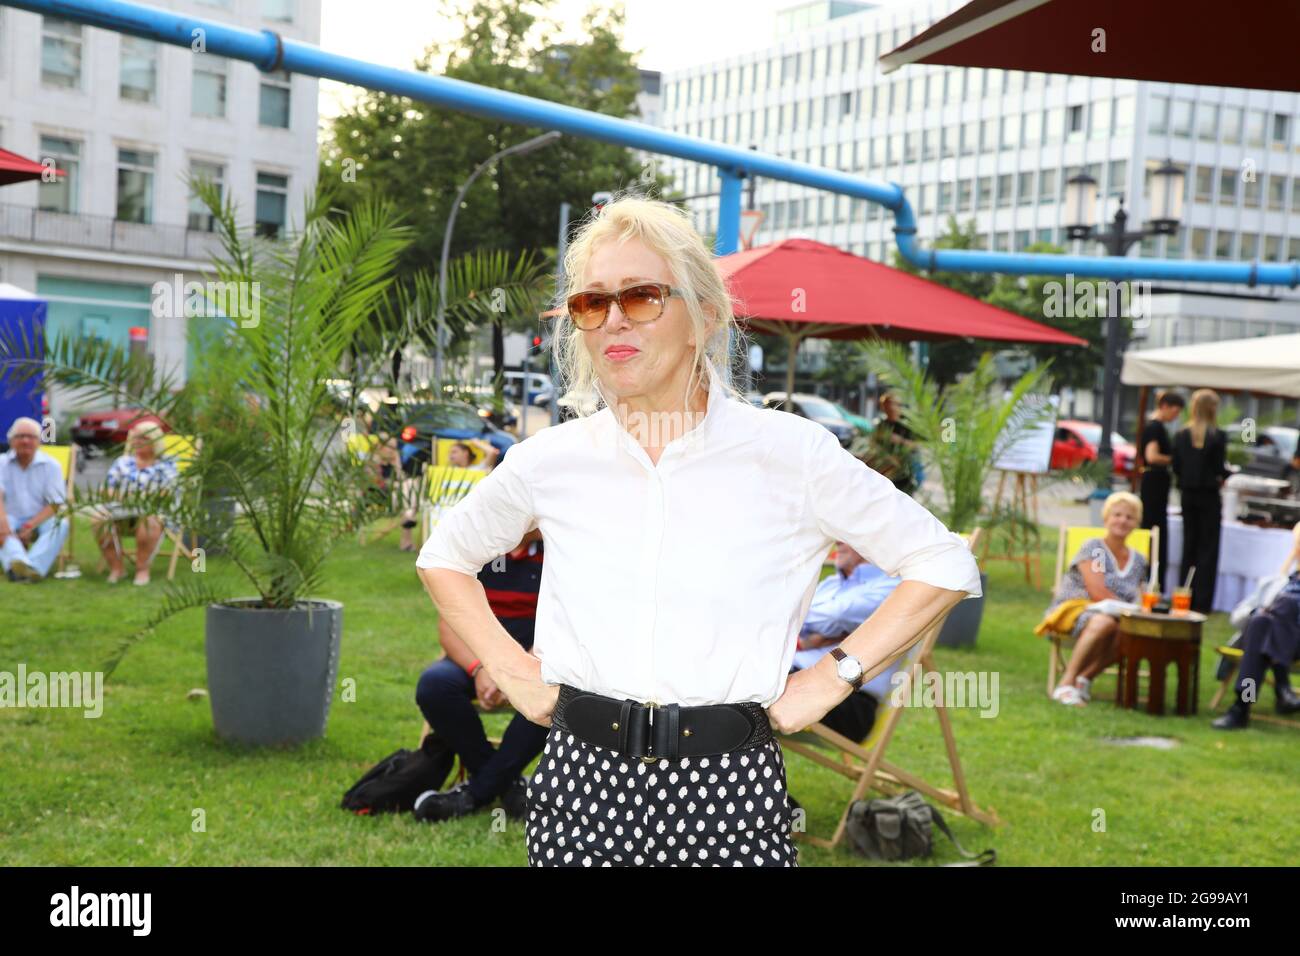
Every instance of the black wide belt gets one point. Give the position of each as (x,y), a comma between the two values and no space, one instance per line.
(651,731)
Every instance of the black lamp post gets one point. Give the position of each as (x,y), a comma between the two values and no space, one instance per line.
(1080,205)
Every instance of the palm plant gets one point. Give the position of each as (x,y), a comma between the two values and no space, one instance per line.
(314,312)
(961,430)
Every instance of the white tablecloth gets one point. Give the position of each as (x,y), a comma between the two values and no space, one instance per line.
(1246,554)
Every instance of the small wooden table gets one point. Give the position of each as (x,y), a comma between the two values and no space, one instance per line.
(1160,640)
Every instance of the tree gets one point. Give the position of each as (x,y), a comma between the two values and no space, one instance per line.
(418,155)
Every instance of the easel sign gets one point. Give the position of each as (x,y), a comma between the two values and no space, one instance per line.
(1025,456)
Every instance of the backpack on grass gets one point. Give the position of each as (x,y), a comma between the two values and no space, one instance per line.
(392,785)
(899,828)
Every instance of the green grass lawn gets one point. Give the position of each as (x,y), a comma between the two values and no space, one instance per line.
(124,788)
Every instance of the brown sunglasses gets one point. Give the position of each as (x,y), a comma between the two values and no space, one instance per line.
(643,302)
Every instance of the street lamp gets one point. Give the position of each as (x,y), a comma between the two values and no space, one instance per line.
(1167,185)
(527,146)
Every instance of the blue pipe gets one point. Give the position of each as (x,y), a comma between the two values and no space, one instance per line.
(268,51)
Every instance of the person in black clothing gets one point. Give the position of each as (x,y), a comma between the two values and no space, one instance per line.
(898,442)
(1157,452)
(1200,465)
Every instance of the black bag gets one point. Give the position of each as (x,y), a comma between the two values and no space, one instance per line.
(392,785)
(898,828)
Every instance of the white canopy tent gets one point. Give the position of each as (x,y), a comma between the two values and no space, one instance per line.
(1268,364)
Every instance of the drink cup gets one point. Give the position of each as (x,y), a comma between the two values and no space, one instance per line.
(1182,600)
(1149,600)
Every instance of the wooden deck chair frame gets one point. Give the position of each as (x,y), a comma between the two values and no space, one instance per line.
(865,763)
(66,456)
(1056,659)
(181,447)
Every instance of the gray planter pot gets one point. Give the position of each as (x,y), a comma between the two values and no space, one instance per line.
(271,672)
(963,623)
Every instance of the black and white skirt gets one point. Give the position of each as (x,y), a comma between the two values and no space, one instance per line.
(590,806)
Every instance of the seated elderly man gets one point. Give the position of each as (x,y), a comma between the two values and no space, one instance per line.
(842,601)
(31,489)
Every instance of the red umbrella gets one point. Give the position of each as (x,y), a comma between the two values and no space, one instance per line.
(799,289)
(16,169)
(1202,42)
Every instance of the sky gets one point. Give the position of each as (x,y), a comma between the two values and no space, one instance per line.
(669,34)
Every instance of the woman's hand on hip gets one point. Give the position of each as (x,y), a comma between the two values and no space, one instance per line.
(522,684)
(809,695)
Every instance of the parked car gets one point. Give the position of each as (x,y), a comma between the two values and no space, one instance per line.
(817,409)
(863,425)
(416,424)
(1271,454)
(100,430)
(1076,442)
(539,384)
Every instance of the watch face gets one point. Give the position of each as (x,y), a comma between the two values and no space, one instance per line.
(849,669)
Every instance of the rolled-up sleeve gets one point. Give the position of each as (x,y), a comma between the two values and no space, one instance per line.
(490,520)
(852,502)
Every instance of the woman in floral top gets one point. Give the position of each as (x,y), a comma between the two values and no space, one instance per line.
(143,468)
(1103,568)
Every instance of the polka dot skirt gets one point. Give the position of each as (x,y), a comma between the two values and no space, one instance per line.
(590,806)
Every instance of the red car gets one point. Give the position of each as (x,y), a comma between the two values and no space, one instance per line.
(104,429)
(1076,442)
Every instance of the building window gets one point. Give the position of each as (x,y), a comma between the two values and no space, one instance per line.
(1281,130)
(945,198)
(1277,192)
(1031,130)
(1207,122)
(138,72)
(928,138)
(1293,249)
(1007,132)
(984,193)
(1204,184)
(1223,245)
(947,135)
(272,200)
(1024,188)
(1227,187)
(1074,127)
(1249,246)
(200,217)
(1123,116)
(281,11)
(1200,244)
(1250,192)
(135,186)
(1180,118)
(1158,116)
(1054,130)
(273,100)
(65,156)
(1232,124)
(963,195)
(208,92)
(1047,186)
(1004,191)
(1099,117)
(1118,176)
(60,53)
(1255,127)
(969,138)
(1272,248)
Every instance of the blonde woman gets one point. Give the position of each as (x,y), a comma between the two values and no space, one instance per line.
(1200,466)
(142,467)
(685,531)
(1103,568)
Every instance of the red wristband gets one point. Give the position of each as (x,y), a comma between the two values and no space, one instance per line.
(473,667)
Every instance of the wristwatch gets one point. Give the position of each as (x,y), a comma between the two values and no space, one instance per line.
(849,668)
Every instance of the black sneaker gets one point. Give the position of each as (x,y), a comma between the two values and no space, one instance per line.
(457,802)
(1287,702)
(515,799)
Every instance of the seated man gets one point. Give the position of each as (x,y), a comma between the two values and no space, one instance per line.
(842,601)
(447,689)
(31,488)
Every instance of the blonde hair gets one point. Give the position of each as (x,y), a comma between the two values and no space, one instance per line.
(1121,498)
(667,230)
(1204,412)
(151,432)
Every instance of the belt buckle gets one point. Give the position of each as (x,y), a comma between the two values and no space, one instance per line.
(650,706)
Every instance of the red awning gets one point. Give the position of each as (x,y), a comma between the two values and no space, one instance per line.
(16,169)
(843,296)
(1202,42)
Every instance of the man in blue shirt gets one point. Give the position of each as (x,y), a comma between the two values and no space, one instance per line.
(841,602)
(31,489)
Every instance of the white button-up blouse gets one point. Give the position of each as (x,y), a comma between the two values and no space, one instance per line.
(687,582)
